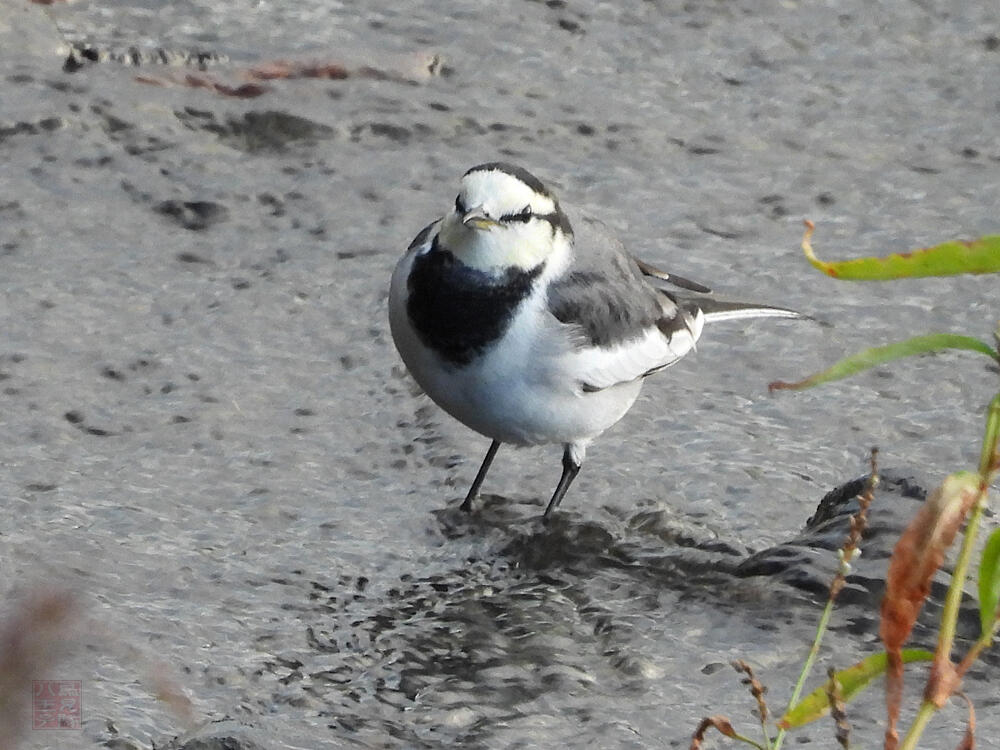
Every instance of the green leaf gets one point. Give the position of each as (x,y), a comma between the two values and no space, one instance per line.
(868,358)
(989,459)
(947,259)
(989,581)
(852,681)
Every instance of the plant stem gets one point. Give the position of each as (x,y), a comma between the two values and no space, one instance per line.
(952,602)
(824,620)
(927,710)
(984,642)
(988,457)
(848,551)
(749,741)
(949,617)
(767,738)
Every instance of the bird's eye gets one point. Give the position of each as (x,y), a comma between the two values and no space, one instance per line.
(459,206)
(523,215)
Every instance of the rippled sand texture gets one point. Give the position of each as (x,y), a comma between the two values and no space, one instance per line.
(208,438)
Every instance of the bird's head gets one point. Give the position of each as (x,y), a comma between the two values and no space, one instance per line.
(503,217)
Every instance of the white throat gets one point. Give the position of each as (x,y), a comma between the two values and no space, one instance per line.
(494,250)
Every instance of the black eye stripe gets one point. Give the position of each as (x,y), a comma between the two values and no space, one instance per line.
(523,215)
(459,206)
(557,220)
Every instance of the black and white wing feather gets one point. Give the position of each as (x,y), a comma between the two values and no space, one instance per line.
(622,328)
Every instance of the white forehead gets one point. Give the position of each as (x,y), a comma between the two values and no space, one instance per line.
(499,192)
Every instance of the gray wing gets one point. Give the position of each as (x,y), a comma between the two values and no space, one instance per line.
(424,235)
(623,328)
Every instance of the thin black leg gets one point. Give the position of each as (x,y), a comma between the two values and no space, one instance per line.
(570,469)
(478,481)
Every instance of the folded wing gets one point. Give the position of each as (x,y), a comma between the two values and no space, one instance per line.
(621,328)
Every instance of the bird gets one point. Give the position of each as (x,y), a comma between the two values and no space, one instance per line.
(533,325)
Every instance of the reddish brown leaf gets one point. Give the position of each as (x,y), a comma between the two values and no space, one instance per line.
(248,83)
(893,697)
(919,553)
(720,723)
(151,80)
(757,689)
(201,81)
(271,70)
(276,69)
(916,558)
(969,739)
(243,91)
(943,680)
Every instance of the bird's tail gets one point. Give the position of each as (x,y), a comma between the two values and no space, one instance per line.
(715,310)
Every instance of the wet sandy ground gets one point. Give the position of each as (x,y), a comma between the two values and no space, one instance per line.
(207,434)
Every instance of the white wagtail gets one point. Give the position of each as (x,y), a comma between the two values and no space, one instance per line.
(533,329)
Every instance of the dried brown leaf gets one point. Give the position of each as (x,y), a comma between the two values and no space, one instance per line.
(916,558)
(969,738)
(943,680)
(202,81)
(893,697)
(247,83)
(757,690)
(919,553)
(277,69)
(838,709)
(720,723)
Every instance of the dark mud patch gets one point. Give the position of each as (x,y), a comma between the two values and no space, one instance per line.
(256,132)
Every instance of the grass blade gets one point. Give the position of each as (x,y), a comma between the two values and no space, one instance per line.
(933,342)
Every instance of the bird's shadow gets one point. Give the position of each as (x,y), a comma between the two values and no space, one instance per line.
(566,539)
(650,540)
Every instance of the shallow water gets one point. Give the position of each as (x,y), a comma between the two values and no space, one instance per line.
(208,435)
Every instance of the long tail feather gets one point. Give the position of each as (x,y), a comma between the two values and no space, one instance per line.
(719,310)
